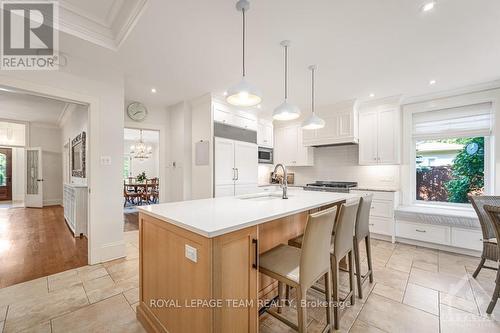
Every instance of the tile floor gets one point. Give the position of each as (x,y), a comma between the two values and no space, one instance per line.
(415,290)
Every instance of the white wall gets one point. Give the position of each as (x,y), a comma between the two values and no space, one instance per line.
(49,139)
(74,122)
(103,88)
(151,166)
(341,164)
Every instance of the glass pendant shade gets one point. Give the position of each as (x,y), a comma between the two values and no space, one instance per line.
(286,111)
(244,94)
(313,122)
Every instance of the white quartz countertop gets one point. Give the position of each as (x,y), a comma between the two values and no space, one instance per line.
(217,216)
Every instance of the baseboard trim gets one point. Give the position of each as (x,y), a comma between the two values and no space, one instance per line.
(52,202)
(108,252)
(441,247)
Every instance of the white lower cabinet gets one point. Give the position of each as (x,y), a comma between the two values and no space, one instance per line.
(423,232)
(466,238)
(75,208)
(382,211)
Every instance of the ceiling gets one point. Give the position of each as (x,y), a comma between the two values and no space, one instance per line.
(388,47)
(131,134)
(30,108)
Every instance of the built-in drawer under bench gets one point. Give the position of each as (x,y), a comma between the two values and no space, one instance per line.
(459,229)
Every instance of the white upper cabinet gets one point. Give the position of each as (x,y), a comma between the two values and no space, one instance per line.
(340,126)
(230,116)
(265,133)
(289,148)
(379,136)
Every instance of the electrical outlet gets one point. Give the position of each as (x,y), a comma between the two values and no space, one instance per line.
(191,253)
(105,160)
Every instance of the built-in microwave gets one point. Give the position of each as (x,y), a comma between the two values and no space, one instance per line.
(265,155)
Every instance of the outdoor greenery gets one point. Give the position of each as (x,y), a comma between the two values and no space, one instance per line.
(467,171)
(452,182)
(3,169)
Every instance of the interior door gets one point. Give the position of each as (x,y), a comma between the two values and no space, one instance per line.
(246,163)
(5,174)
(34,178)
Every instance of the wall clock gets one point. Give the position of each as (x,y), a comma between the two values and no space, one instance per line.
(137,111)
(472,148)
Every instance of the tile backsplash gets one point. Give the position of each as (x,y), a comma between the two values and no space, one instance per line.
(340,163)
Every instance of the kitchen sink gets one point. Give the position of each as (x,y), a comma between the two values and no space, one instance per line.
(262,196)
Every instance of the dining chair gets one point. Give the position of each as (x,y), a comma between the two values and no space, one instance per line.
(490,239)
(130,196)
(494,215)
(302,268)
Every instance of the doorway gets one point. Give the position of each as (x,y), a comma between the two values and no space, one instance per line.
(48,232)
(5,174)
(141,173)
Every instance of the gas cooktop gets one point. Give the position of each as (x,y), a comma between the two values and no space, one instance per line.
(330,186)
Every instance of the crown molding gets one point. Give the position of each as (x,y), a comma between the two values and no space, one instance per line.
(110,32)
(490,85)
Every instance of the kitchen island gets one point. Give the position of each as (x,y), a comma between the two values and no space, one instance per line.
(199,259)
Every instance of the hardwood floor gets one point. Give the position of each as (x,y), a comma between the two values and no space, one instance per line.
(36,243)
(130,219)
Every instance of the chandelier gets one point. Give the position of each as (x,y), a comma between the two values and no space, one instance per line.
(140,150)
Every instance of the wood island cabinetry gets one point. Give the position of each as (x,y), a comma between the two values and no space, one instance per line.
(214,289)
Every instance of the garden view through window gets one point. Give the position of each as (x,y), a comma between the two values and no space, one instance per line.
(448,170)
(3,170)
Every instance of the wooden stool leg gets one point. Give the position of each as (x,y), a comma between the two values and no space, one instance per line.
(358,267)
(328,296)
(351,278)
(369,257)
(335,295)
(301,310)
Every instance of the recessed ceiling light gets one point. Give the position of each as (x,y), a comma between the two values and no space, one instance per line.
(372,95)
(153,90)
(259,106)
(225,93)
(432,82)
(428,6)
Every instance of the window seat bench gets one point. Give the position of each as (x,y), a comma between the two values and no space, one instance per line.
(448,227)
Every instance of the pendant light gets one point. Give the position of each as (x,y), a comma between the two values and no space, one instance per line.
(243,93)
(286,111)
(140,150)
(313,122)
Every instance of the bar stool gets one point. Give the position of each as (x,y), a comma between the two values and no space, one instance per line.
(362,232)
(343,246)
(301,268)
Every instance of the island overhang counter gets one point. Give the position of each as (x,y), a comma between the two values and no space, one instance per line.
(198,260)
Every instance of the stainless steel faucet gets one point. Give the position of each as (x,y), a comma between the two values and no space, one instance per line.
(284,183)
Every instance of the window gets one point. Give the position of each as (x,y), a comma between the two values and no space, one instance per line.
(447,170)
(3,170)
(451,153)
(127,167)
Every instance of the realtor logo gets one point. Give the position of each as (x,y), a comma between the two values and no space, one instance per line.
(29,35)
